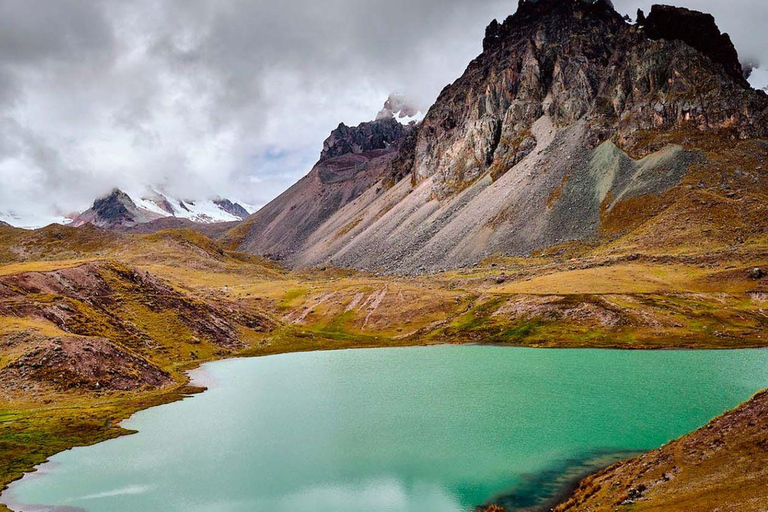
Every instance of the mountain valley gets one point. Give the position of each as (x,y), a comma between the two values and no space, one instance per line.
(586,183)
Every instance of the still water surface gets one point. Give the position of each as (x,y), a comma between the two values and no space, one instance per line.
(438,429)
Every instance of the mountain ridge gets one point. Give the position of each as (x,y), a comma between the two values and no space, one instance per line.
(570,117)
(353,160)
(118,210)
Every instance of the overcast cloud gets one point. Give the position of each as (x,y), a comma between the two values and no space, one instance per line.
(228,97)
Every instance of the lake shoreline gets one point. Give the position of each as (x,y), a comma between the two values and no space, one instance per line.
(180,392)
(188,387)
(561,480)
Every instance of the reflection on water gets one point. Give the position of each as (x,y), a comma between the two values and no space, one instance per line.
(543,490)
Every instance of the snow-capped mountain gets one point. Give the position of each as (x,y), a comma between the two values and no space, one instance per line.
(119,209)
(206,211)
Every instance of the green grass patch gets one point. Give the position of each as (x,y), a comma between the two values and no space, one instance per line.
(519,333)
(291,296)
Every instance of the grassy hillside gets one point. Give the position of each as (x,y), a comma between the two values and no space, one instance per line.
(142,309)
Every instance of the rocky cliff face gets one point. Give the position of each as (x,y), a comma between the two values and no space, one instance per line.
(233,209)
(376,135)
(353,161)
(697,30)
(579,61)
(558,129)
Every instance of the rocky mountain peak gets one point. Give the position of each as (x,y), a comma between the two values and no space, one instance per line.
(698,30)
(563,125)
(116,196)
(235,209)
(537,7)
(531,12)
(117,207)
(354,159)
(574,61)
(370,136)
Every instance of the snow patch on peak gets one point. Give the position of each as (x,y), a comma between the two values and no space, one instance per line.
(758,78)
(203,211)
(402,109)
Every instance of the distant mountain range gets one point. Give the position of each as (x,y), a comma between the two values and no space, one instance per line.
(120,210)
(123,211)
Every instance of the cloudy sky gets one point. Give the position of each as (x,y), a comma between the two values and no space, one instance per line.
(226,97)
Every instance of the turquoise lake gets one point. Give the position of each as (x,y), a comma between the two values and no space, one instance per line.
(438,429)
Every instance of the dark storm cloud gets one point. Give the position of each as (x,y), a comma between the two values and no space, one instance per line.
(229,97)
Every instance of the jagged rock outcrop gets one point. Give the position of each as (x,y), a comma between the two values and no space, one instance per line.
(376,135)
(543,137)
(234,209)
(353,161)
(573,60)
(697,30)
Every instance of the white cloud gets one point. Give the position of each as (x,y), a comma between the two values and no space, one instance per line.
(224,97)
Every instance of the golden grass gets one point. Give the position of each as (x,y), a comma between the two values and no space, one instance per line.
(669,296)
(618,279)
(41,266)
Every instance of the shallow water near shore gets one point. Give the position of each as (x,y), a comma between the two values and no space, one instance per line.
(395,430)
